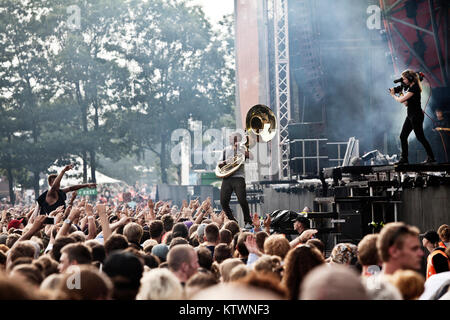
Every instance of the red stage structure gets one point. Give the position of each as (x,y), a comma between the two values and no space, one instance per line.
(417,32)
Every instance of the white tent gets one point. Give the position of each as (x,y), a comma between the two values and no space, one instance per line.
(75,176)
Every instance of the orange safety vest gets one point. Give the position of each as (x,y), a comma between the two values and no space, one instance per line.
(430,267)
(442,244)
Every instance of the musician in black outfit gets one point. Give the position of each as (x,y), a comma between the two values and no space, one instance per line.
(235,182)
(441,138)
(415,116)
(56,197)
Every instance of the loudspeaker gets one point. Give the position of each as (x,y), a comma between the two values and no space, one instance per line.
(352,229)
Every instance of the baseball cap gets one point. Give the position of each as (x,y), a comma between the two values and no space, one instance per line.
(161,250)
(14,223)
(431,236)
(303,220)
(188,224)
(201,230)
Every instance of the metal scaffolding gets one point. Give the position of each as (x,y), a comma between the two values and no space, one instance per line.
(440,46)
(282,85)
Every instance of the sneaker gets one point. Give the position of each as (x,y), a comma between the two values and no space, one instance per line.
(248,226)
(402,161)
(429,160)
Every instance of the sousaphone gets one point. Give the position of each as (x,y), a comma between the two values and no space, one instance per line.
(260,123)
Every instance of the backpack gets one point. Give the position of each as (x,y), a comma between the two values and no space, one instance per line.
(283,221)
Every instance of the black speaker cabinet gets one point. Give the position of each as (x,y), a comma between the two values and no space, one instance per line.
(352,230)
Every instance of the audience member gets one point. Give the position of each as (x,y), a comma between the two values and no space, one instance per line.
(147,251)
(160,284)
(437,260)
(368,255)
(399,247)
(332,282)
(183,262)
(410,283)
(298,263)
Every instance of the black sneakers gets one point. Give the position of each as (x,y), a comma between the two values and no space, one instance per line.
(429,160)
(402,161)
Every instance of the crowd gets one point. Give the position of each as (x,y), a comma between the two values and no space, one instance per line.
(156,251)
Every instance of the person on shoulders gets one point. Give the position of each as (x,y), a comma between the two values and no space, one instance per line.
(55,196)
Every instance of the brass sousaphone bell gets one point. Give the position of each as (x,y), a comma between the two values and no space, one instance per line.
(260,123)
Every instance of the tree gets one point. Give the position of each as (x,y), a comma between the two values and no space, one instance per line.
(90,74)
(180,71)
(27,88)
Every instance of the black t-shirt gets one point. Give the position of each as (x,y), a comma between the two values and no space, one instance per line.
(440,262)
(46,208)
(211,248)
(414,105)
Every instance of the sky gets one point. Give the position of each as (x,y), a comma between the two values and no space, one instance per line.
(215,9)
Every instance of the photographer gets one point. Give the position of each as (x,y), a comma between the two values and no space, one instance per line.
(414,121)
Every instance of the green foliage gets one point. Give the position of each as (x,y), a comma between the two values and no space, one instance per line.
(113,88)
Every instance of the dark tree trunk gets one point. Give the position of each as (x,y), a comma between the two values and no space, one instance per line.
(96,126)
(93,166)
(84,156)
(12,196)
(36,184)
(162,159)
(83,106)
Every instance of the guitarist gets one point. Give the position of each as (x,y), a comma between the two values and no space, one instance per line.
(236,181)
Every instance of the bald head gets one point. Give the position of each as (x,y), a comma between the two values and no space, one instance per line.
(183,261)
(332,282)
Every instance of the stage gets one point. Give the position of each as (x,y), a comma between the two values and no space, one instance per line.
(357,200)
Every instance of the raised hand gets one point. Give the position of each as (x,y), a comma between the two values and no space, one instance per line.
(74,214)
(101,209)
(307,234)
(219,219)
(255,221)
(89,209)
(267,221)
(205,205)
(72,198)
(250,244)
(159,204)
(150,204)
(68,167)
(56,211)
(124,220)
(38,223)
